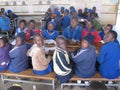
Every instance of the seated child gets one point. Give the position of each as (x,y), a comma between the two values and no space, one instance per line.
(41,64)
(106,29)
(4,53)
(50,33)
(65,20)
(85,58)
(94,85)
(89,29)
(73,32)
(21,28)
(19,59)
(61,62)
(4,22)
(31,30)
(109,57)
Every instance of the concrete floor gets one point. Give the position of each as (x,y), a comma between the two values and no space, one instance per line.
(41,87)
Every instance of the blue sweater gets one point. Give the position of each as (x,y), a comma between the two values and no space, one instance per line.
(109,59)
(47,35)
(84,61)
(5,23)
(75,33)
(19,59)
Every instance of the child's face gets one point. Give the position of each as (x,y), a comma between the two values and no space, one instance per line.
(18,41)
(89,25)
(2,43)
(31,25)
(50,27)
(62,44)
(108,38)
(85,44)
(22,25)
(107,29)
(38,40)
(73,23)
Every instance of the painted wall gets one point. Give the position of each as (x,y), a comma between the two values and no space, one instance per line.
(107,9)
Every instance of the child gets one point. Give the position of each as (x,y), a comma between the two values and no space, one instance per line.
(109,57)
(61,62)
(65,20)
(73,32)
(31,30)
(89,29)
(4,22)
(19,59)
(51,33)
(57,20)
(94,85)
(85,59)
(4,54)
(22,27)
(94,11)
(41,64)
(106,29)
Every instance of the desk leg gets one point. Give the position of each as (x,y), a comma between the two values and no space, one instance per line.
(53,84)
(34,87)
(2,78)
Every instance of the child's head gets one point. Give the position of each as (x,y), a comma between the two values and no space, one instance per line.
(110,36)
(31,24)
(38,39)
(74,22)
(94,9)
(51,26)
(80,11)
(3,42)
(66,12)
(61,42)
(3,10)
(62,9)
(20,39)
(94,85)
(107,28)
(89,25)
(15,88)
(22,24)
(87,41)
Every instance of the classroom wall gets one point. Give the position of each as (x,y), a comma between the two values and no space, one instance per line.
(34,9)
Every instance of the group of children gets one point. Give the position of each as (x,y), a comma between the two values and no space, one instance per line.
(80,62)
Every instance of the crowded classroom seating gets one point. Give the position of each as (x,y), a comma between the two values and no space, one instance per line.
(69,47)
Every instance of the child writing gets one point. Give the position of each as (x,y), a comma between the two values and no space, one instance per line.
(61,62)
(4,53)
(85,58)
(19,59)
(109,57)
(41,64)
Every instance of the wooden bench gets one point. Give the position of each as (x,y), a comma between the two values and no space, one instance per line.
(29,77)
(96,77)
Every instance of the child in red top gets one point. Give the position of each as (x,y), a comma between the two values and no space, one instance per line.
(89,29)
(31,30)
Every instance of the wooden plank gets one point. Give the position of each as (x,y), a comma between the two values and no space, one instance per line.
(29,74)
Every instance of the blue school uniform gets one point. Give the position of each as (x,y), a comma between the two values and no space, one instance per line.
(48,35)
(109,59)
(75,33)
(84,61)
(19,59)
(5,23)
(65,22)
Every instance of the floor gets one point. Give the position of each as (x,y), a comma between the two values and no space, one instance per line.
(41,87)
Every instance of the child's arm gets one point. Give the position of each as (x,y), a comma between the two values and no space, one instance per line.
(28,52)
